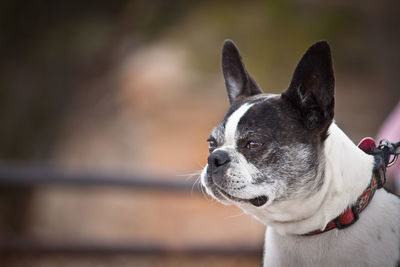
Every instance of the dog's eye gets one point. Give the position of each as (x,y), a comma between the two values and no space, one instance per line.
(212,145)
(253,145)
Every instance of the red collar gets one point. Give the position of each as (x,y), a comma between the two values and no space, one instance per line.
(351,214)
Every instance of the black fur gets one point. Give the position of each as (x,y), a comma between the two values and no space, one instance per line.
(272,123)
(311,90)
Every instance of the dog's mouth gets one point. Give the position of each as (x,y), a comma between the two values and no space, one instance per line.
(257,201)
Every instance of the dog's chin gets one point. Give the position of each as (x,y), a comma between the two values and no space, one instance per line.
(227,199)
(218,195)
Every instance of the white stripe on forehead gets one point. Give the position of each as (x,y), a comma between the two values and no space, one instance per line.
(232,122)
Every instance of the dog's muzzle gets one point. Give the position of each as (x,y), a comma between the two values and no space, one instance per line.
(218,163)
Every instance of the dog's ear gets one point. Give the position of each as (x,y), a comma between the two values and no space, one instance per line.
(311,90)
(238,82)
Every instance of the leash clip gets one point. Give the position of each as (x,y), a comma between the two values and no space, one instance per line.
(389,149)
(393,161)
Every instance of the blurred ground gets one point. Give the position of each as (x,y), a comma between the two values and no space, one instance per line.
(133,260)
(136,86)
(117,216)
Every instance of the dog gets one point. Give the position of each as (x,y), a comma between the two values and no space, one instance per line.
(283,159)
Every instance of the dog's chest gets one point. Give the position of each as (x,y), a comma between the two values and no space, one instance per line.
(374,240)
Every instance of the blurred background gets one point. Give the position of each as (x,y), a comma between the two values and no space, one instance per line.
(105,107)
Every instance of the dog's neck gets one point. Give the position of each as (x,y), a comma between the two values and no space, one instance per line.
(347,173)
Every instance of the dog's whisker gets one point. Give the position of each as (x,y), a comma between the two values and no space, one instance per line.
(196,183)
(203,192)
(200,165)
(236,215)
(192,175)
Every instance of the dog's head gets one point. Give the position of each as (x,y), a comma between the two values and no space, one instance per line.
(269,148)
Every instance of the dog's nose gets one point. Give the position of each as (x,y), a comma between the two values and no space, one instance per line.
(218,159)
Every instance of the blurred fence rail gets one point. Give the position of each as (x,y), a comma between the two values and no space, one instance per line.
(27,176)
(26,246)
(14,175)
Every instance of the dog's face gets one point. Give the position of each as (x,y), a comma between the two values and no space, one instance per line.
(269,148)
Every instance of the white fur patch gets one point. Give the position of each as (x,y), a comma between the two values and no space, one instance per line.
(232,123)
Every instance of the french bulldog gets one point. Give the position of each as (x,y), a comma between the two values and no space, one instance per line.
(283,159)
